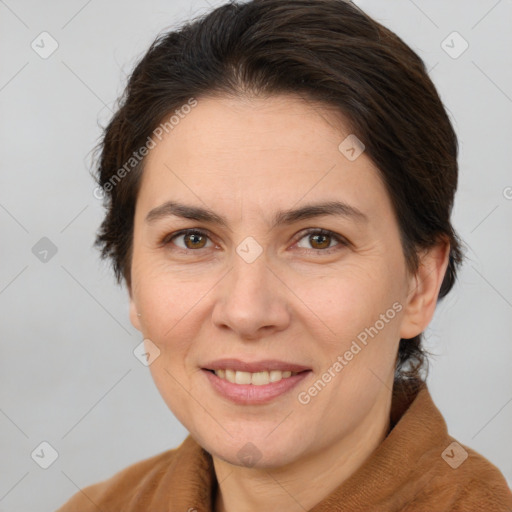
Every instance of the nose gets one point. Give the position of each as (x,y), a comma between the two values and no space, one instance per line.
(251,300)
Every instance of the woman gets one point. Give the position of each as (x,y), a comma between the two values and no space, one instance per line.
(279,180)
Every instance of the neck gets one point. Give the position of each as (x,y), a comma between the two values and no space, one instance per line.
(303,483)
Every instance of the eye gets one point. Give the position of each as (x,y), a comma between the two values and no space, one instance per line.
(192,239)
(320,240)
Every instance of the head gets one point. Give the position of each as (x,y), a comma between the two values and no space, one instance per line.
(307,150)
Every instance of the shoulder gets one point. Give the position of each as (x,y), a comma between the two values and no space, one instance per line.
(482,485)
(440,473)
(124,487)
(464,480)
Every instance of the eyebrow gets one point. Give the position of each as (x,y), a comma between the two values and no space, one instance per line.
(282,217)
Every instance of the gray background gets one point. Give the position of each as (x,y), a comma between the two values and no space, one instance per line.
(68,374)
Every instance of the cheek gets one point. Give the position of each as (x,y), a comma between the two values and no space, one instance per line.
(169,320)
(160,296)
(360,321)
(352,298)
(173,308)
(161,303)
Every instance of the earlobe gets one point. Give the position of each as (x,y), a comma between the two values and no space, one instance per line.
(134,315)
(424,290)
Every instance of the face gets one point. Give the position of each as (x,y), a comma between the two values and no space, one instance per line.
(257,292)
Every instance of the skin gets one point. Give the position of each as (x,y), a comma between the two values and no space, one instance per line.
(245,159)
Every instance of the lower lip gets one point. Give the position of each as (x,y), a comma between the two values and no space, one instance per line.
(249,394)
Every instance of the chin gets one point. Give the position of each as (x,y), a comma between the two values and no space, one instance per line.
(251,457)
(253,450)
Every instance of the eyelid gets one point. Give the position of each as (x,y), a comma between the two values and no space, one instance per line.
(321,231)
(167,239)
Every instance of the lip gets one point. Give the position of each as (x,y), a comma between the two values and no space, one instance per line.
(250,394)
(256,366)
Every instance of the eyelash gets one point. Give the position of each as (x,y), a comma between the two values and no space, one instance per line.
(312,231)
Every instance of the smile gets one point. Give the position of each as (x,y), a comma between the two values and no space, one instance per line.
(258,388)
(257,378)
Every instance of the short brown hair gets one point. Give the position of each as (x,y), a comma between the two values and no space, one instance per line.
(324,50)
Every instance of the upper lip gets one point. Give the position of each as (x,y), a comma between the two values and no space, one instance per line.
(255,366)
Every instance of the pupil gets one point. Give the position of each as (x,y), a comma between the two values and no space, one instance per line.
(193,237)
(316,237)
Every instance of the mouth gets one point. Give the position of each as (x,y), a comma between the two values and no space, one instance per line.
(253,383)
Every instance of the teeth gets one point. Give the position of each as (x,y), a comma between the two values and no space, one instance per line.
(257,379)
(260,378)
(242,377)
(276,375)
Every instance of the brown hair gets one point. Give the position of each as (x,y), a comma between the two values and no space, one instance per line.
(324,50)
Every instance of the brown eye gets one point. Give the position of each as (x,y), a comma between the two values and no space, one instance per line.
(192,239)
(321,239)
(196,241)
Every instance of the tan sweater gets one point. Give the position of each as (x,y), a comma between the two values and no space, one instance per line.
(415,469)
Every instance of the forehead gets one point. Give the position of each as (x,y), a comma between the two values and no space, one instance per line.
(230,125)
(259,151)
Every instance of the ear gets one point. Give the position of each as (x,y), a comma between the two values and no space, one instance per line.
(424,289)
(134,313)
